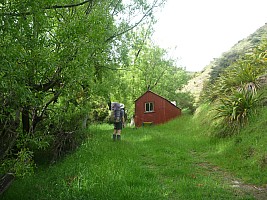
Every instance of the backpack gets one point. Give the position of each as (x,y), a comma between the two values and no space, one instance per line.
(116,113)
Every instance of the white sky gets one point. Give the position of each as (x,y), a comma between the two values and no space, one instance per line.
(196,31)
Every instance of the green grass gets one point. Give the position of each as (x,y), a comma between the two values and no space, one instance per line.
(171,161)
(245,154)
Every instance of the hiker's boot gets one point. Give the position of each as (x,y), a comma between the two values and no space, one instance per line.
(114,137)
(119,137)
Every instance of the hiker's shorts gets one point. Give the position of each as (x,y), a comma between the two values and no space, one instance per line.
(118,125)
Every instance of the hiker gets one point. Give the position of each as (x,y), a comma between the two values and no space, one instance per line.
(118,121)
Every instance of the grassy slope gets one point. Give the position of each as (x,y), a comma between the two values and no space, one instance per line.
(196,84)
(217,65)
(173,161)
(245,154)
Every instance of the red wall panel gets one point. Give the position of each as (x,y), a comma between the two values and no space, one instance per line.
(164,110)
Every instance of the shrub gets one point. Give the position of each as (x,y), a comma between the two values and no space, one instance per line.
(21,164)
(236,109)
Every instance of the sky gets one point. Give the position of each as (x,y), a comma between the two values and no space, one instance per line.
(197,31)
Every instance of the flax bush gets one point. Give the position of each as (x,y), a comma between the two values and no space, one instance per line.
(237,108)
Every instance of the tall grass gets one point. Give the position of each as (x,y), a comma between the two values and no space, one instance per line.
(245,154)
(158,162)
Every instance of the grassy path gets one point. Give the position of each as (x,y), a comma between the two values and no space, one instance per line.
(160,162)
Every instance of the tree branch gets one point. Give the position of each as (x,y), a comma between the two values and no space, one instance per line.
(55,81)
(143,42)
(115,7)
(68,6)
(46,86)
(47,8)
(132,27)
(158,79)
(54,98)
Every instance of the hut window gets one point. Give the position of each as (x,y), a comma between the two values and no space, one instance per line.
(149,107)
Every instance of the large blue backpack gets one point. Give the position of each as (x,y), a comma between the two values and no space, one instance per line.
(116,113)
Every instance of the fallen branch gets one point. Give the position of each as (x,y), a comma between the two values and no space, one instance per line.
(5,181)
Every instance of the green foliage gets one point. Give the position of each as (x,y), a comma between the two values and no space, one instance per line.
(20,160)
(58,64)
(236,93)
(21,165)
(237,109)
(226,60)
(24,164)
(186,102)
(158,73)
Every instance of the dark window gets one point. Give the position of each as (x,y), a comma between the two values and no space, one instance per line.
(149,107)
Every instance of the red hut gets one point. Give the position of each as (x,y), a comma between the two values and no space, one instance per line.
(153,109)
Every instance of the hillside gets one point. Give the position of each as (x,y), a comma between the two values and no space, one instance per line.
(216,66)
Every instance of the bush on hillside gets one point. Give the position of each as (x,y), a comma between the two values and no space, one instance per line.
(236,92)
(236,109)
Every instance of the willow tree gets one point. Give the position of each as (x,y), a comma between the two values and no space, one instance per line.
(149,68)
(57,58)
(153,70)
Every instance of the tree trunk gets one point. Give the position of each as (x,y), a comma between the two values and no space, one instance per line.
(84,125)
(25,120)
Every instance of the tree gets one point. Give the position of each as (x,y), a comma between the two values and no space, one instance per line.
(149,68)
(158,73)
(57,59)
